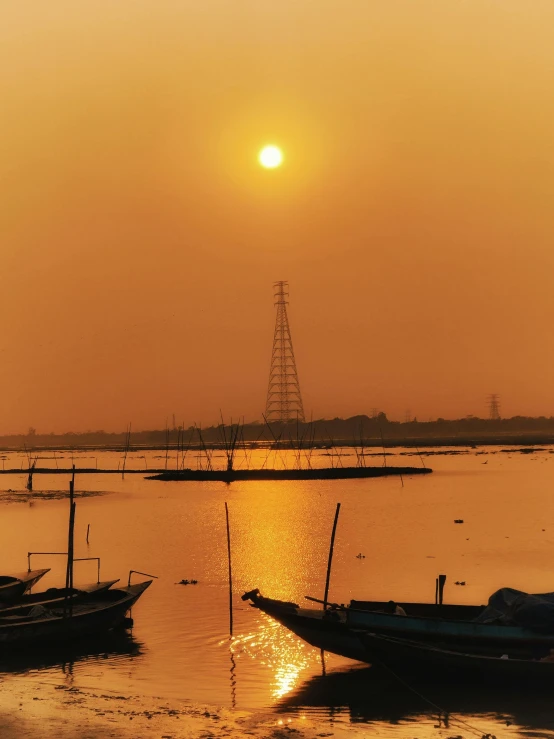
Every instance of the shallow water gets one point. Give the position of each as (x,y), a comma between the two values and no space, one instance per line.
(180,645)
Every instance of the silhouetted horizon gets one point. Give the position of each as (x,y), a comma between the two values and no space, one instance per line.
(359,429)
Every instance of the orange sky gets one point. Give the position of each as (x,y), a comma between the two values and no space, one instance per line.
(140,239)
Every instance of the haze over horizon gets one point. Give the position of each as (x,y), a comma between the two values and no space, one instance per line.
(412,215)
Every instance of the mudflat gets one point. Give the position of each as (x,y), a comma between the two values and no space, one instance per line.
(47,711)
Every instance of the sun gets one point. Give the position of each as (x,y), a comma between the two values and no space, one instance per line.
(270,157)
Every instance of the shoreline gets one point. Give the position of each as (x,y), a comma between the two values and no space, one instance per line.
(45,710)
(411,442)
(312,473)
(323,473)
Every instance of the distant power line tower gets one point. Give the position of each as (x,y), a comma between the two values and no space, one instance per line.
(284,401)
(494,407)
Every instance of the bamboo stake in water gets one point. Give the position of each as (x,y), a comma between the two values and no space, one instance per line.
(230,572)
(331,557)
(70,547)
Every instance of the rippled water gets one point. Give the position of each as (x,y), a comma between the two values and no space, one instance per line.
(280,531)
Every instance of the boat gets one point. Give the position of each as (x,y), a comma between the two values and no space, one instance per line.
(53,596)
(75,615)
(40,625)
(476,629)
(13,587)
(416,658)
(313,626)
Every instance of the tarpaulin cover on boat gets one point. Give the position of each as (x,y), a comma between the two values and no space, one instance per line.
(516,608)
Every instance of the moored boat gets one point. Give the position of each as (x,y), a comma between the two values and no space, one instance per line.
(473,628)
(54,596)
(13,587)
(324,629)
(101,613)
(71,613)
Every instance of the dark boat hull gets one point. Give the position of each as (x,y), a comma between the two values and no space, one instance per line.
(407,657)
(16,586)
(336,631)
(53,597)
(101,614)
(329,633)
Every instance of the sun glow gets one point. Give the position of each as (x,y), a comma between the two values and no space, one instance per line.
(270,157)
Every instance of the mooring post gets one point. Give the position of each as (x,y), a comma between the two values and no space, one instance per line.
(88,530)
(441,582)
(330,557)
(230,571)
(68,606)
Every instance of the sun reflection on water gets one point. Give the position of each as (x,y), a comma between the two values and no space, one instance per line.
(285,656)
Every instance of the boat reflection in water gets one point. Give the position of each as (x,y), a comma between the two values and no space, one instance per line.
(112,645)
(368,695)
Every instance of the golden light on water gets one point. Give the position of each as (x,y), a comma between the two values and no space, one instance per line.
(283,654)
(270,157)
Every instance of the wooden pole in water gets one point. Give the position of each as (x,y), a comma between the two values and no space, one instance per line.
(441,582)
(330,557)
(383,445)
(230,571)
(70,545)
(68,574)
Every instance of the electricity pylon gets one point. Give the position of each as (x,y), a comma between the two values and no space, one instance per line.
(494,407)
(284,401)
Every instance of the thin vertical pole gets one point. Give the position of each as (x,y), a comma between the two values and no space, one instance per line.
(230,571)
(383,445)
(441,582)
(331,556)
(70,544)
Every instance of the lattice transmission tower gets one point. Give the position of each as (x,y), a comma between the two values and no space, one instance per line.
(284,401)
(494,407)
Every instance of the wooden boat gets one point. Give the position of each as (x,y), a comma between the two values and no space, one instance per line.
(100,613)
(13,587)
(313,626)
(337,629)
(406,656)
(73,616)
(54,596)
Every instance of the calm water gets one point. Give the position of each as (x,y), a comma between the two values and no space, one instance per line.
(280,531)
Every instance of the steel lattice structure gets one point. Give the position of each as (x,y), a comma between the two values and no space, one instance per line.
(494,407)
(284,401)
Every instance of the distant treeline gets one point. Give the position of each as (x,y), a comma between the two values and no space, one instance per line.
(369,431)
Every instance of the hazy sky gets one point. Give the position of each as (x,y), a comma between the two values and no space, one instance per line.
(140,239)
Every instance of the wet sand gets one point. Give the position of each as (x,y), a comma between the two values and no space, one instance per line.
(46,711)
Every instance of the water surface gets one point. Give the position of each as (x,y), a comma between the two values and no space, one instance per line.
(180,645)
